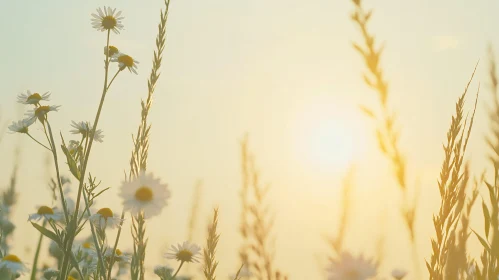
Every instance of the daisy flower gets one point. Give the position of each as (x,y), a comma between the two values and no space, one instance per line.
(86,247)
(85,129)
(45,212)
(164,271)
(20,126)
(74,147)
(111,51)
(187,252)
(144,194)
(350,268)
(32,99)
(50,273)
(399,274)
(13,264)
(107,19)
(118,256)
(40,113)
(105,218)
(125,61)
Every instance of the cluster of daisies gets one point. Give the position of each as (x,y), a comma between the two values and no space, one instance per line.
(349,267)
(144,194)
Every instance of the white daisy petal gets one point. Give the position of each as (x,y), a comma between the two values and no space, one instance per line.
(85,129)
(20,126)
(40,113)
(187,252)
(105,218)
(349,268)
(47,213)
(107,19)
(13,264)
(144,194)
(29,98)
(125,61)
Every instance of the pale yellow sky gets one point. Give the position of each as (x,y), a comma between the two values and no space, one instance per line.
(282,70)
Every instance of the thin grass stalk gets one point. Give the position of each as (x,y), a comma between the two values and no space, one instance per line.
(193,217)
(210,262)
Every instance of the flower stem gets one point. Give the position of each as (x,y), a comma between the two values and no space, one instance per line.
(178,269)
(111,262)
(72,234)
(56,163)
(112,80)
(94,237)
(38,142)
(37,254)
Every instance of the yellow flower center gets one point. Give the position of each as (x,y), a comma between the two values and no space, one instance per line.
(111,50)
(34,97)
(11,258)
(87,245)
(105,213)
(45,210)
(71,278)
(144,194)
(184,255)
(41,111)
(126,60)
(118,252)
(109,22)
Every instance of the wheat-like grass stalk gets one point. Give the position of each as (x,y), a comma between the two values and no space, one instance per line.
(387,132)
(140,152)
(193,217)
(452,187)
(210,262)
(257,251)
(493,112)
(490,242)
(347,188)
(9,199)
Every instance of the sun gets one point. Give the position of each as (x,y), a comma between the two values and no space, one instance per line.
(328,139)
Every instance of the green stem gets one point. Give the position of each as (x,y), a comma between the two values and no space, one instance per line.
(37,254)
(94,237)
(178,269)
(111,262)
(38,142)
(56,163)
(72,234)
(112,80)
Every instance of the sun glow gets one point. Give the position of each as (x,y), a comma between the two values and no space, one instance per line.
(327,140)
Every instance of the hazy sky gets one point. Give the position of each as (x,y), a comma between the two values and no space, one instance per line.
(282,70)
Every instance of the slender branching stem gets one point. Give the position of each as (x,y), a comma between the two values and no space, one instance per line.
(73,227)
(38,142)
(111,262)
(37,254)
